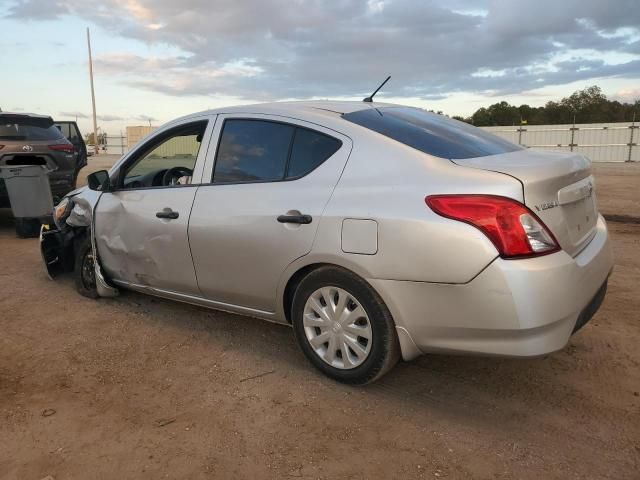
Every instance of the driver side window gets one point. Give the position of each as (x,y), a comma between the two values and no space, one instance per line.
(167,160)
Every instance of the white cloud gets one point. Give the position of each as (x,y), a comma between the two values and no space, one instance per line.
(255,49)
(629,95)
(73,114)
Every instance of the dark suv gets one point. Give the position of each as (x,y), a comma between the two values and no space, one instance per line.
(28,139)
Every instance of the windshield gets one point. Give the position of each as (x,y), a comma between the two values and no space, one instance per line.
(19,131)
(431,133)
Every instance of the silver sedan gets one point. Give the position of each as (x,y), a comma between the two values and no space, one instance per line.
(377,231)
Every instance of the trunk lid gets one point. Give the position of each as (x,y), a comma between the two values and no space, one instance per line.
(557,186)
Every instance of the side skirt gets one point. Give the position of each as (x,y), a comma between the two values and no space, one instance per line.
(203,302)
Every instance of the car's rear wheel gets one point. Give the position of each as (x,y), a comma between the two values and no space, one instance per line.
(84,271)
(343,326)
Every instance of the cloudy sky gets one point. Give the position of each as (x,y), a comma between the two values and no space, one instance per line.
(158,59)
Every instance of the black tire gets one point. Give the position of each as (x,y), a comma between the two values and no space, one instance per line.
(27,227)
(83,268)
(385,349)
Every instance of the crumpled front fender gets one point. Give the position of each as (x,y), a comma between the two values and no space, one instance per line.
(57,246)
(56,250)
(84,202)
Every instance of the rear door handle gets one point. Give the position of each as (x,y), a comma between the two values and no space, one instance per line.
(300,219)
(168,214)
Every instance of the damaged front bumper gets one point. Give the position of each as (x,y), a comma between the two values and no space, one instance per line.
(56,248)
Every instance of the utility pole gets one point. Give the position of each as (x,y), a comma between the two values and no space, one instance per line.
(631,144)
(93,96)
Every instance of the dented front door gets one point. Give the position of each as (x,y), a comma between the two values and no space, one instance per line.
(141,237)
(140,225)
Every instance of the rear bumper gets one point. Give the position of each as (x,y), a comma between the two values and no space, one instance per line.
(516,308)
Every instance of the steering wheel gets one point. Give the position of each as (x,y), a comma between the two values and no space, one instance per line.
(174,173)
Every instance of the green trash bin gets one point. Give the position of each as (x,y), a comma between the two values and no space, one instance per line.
(30,196)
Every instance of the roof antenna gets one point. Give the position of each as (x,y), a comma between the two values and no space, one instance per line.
(369,99)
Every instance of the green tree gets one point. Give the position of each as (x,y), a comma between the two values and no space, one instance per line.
(481,118)
(589,105)
(102,138)
(501,113)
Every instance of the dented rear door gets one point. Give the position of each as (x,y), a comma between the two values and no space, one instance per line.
(245,231)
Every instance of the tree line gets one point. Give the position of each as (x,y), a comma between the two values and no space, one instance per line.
(583,106)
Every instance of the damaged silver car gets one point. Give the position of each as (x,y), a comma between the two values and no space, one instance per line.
(375,230)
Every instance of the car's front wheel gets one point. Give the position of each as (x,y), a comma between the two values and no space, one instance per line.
(84,271)
(343,326)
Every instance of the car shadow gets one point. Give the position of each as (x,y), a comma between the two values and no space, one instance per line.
(483,391)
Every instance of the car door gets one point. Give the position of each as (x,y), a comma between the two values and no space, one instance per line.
(71,131)
(270,179)
(75,137)
(141,226)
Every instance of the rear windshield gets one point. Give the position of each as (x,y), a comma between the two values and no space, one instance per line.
(431,133)
(18,131)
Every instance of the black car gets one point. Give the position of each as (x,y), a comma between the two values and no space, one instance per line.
(28,139)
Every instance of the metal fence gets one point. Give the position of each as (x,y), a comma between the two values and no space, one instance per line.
(601,142)
(116,144)
(122,143)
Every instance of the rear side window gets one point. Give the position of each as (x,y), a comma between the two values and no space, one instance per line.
(252,151)
(309,150)
(267,151)
(430,133)
(18,131)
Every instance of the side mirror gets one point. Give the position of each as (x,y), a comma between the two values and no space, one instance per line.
(99,181)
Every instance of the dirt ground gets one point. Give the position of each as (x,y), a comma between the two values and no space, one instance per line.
(138,387)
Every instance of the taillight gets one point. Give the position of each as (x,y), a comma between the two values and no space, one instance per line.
(515,230)
(62,147)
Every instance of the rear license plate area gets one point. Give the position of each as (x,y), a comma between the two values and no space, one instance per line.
(26,160)
(581,218)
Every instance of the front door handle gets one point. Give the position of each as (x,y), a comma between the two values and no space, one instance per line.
(300,219)
(168,214)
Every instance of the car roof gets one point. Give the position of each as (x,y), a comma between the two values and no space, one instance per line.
(43,121)
(14,115)
(296,108)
